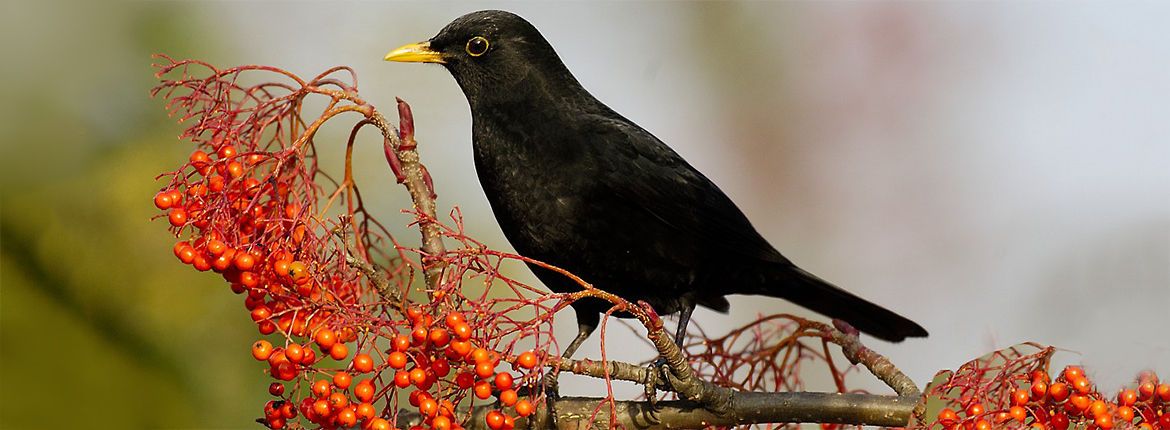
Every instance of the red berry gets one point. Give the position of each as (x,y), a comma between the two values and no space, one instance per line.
(1058,391)
(276,389)
(439,337)
(1163,392)
(504,380)
(163,200)
(1039,390)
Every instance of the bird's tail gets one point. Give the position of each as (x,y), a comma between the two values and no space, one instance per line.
(809,291)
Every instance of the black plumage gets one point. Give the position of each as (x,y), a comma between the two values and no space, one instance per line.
(575,184)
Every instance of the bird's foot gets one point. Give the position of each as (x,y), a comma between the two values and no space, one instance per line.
(550,385)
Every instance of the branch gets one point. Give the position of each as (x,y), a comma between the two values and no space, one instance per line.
(745,408)
(402,150)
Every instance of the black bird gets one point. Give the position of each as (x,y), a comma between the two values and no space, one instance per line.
(574,184)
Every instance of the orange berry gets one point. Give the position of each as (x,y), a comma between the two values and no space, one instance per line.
(363,363)
(508,397)
(396,360)
(1058,391)
(460,348)
(504,380)
(1020,397)
(338,351)
(342,380)
(439,337)
(484,369)
(365,411)
(947,417)
(462,331)
(441,423)
(1039,390)
(401,379)
(321,388)
(455,318)
(321,408)
(338,401)
(1073,372)
(418,377)
(428,406)
(1163,392)
(976,409)
(479,355)
(177,217)
(982,425)
(347,418)
(1082,385)
(1018,413)
(483,390)
(1125,413)
(495,420)
(379,424)
(364,391)
(325,338)
(1104,421)
(261,350)
(526,360)
(414,313)
(294,352)
(163,200)
(1078,403)
(401,343)
(1146,390)
(524,408)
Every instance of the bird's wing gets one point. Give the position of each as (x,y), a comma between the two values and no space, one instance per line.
(651,177)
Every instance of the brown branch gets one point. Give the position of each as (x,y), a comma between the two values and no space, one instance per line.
(745,408)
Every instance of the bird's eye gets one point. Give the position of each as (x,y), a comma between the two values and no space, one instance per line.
(477,46)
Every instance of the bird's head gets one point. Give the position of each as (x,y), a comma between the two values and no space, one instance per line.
(491,53)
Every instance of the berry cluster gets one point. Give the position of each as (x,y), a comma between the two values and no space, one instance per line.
(324,281)
(1069,400)
(437,363)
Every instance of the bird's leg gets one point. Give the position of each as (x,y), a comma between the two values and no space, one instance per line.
(684,319)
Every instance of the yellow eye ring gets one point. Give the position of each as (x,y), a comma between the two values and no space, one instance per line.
(477,46)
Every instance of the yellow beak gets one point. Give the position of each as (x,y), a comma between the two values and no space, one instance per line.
(415,53)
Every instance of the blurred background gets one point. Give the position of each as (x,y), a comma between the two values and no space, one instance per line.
(999,172)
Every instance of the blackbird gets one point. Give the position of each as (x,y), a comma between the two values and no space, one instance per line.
(576,185)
